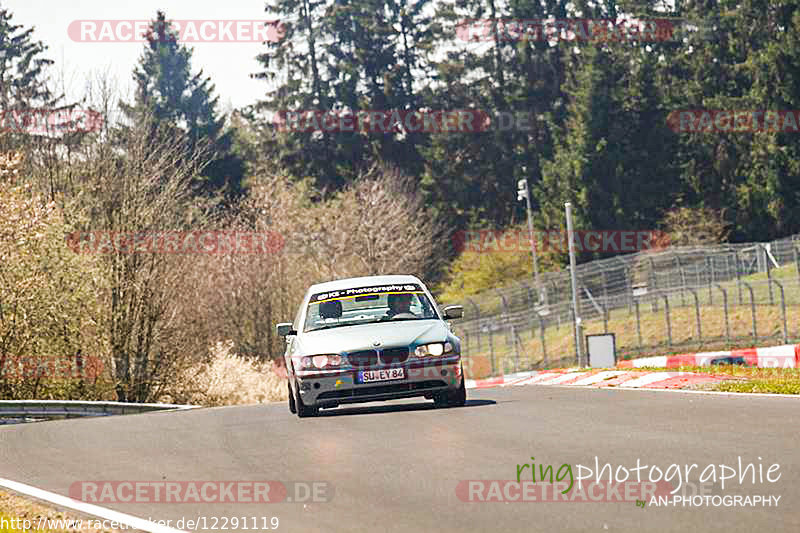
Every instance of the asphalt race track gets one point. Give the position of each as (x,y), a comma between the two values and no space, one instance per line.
(395,466)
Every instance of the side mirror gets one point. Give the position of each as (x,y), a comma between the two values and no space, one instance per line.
(453,311)
(285,328)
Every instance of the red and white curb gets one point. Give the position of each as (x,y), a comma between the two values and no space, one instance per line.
(786,356)
(626,379)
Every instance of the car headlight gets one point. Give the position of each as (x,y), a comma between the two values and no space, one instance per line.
(434,349)
(321,362)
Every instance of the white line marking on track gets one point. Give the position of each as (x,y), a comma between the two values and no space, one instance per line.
(88,508)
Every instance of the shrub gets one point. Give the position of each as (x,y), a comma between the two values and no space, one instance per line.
(227,379)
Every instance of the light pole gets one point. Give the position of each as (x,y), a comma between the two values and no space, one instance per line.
(522,192)
(574,282)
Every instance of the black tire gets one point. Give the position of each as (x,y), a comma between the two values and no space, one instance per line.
(457,398)
(302,410)
(292,406)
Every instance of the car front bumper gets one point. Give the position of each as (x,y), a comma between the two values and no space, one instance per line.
(423,378)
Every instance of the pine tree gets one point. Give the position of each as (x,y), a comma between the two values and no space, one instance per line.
(175,99)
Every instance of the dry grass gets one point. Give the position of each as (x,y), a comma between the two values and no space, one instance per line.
(228,379)
(13,507)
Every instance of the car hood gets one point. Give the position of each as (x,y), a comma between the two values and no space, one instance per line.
(361,337)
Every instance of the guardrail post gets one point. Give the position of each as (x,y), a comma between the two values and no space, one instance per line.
(697,314)
(725,307)
(753,309)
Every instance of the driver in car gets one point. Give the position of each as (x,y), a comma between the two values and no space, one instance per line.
(399,304)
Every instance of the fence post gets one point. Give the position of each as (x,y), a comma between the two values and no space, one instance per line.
(638,323)
(516,347)
(739,274)
(478,322)
(541,336)
(697,314)
(783,311)
(666,314)
(683,278)
(725,307)
(491,350)
(710,268)
(753,309)
(652,281)
(796,260)
(769,272)
(527,289)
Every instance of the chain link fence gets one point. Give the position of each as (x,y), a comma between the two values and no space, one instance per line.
(655,302)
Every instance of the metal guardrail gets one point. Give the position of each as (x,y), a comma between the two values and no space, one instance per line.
(29,410)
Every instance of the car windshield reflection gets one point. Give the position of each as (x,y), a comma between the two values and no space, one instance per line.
(368,308)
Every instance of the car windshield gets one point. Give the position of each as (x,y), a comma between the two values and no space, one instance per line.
(367,308)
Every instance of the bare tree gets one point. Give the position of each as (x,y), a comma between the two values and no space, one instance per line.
(136,186)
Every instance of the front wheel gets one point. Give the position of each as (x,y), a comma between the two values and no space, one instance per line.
(292,406)
(456,398)
(303,411)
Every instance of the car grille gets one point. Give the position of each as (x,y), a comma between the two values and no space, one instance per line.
(370,358)
(394,356)
(363,359)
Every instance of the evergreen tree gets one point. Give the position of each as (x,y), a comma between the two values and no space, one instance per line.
(345,56)
(183,102)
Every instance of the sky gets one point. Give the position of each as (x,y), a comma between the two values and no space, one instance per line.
(228,64)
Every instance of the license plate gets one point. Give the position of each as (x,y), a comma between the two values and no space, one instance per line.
(369,376)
